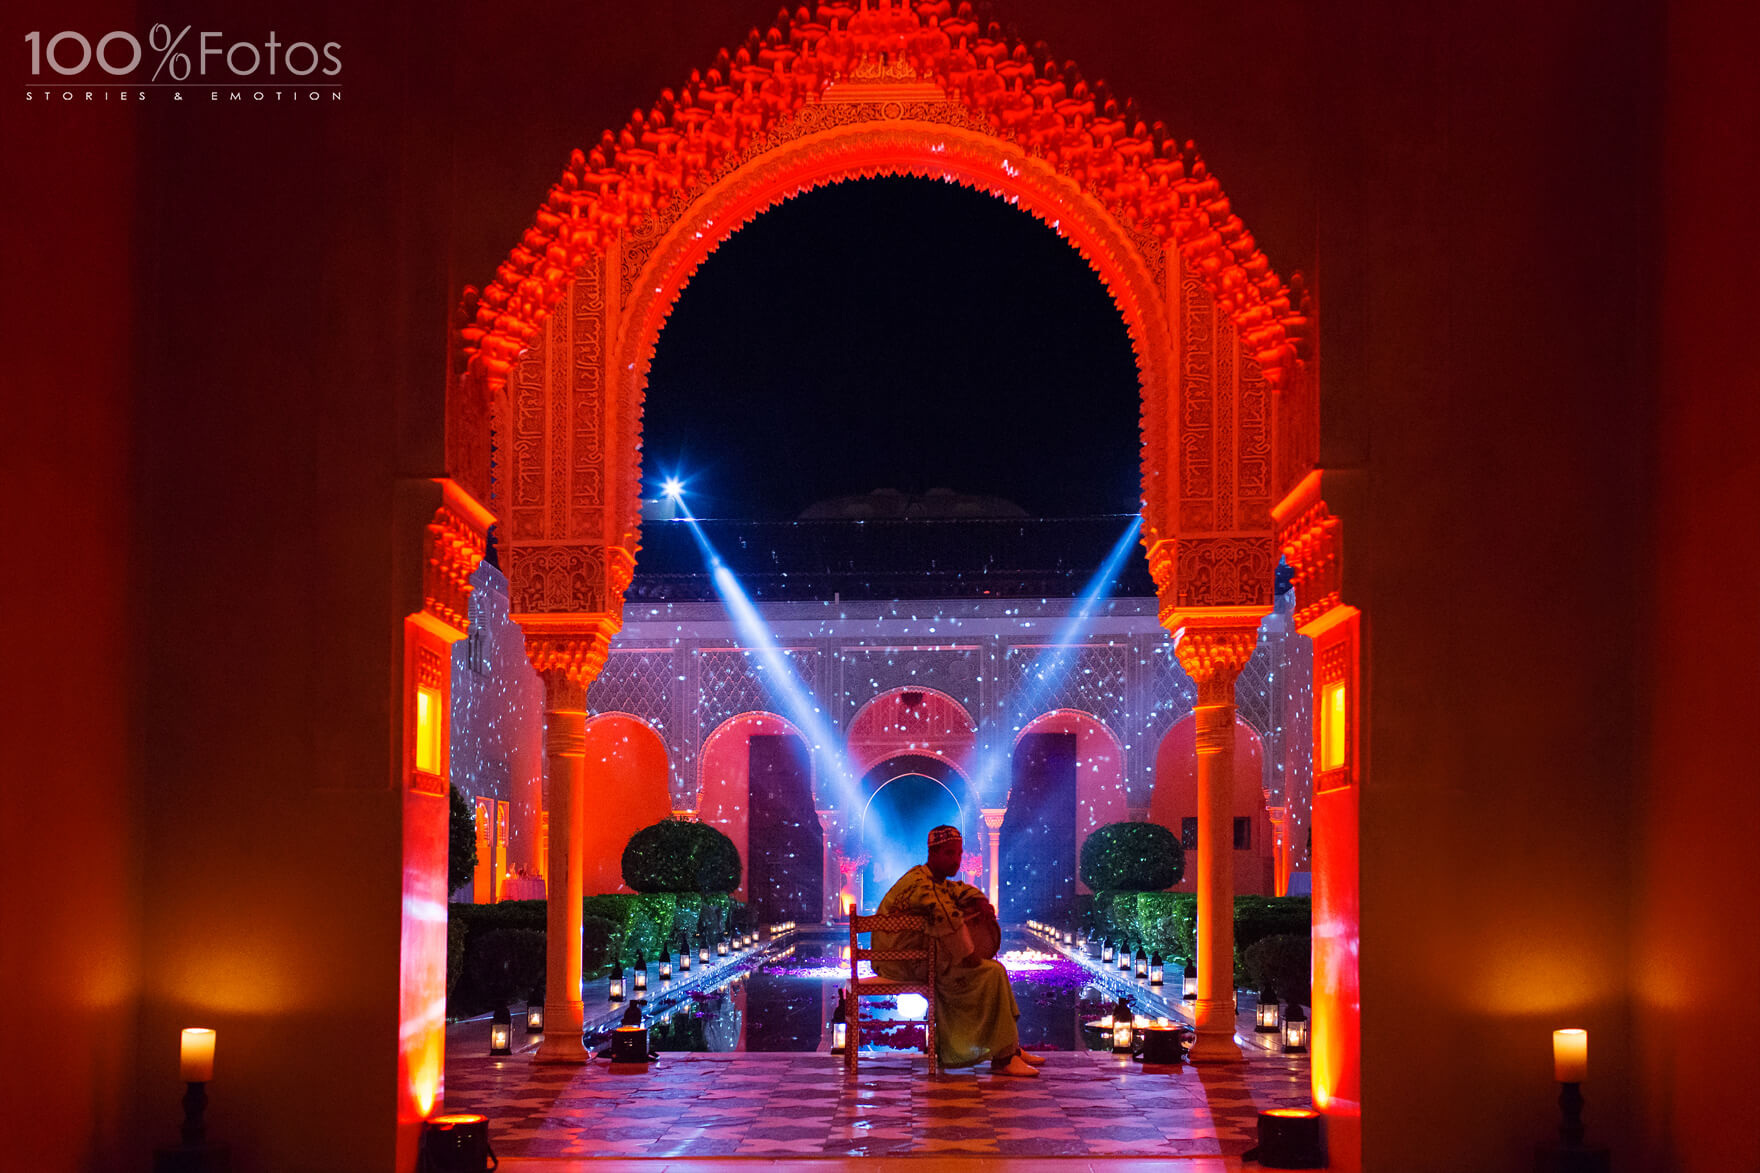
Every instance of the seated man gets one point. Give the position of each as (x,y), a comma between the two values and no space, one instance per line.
(975,1010)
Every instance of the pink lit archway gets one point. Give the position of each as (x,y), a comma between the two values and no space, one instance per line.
(628,757)
(1100,786)
(911,720)
(724,776)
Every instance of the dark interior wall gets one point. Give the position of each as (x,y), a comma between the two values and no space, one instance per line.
(1480,187)
(785,844)
(1036,851)
(1694,939)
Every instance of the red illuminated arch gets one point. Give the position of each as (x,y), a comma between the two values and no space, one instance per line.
(937,726)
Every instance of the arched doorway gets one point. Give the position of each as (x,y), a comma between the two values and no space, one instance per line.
(1230,419)
(906,795)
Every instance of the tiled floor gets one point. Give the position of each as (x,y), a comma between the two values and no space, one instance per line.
(1086,1104)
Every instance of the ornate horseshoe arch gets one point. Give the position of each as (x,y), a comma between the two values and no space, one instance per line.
(553,357)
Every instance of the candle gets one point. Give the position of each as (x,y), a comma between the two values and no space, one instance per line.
(197,1055)
(1570,1056)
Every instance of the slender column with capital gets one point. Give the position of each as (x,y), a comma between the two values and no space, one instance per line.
(1213,656)
(565,718)
(993,824)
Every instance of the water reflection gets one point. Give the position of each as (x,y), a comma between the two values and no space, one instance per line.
(786,1006)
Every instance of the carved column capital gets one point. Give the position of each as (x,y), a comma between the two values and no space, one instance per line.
(1213,650)
(993,817)
(567,651)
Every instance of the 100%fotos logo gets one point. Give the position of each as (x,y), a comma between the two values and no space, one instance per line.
(119,55)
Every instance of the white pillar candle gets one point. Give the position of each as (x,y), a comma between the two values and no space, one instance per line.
(1570,1056)
(197,1055)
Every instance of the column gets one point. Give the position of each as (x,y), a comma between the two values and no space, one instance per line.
(565,717)
(830,874)
(993,825)
(1213,655)
(1279,816)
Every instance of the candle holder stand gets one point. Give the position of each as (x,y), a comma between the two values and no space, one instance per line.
(193,1154)
(1569,1154)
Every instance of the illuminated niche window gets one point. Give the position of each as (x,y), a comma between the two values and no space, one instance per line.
(1332,721)
(427,730)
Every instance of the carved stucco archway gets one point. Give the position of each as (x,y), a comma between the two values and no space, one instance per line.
(557,348)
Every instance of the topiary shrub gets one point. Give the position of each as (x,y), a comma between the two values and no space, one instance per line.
(461,842)
(504,964)
(1283,965)
(676,855)
(1132,857)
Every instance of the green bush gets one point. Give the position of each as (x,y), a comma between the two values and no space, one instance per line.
(1281,964)
(641,921)
(676,855)
(1132,857)
(509,914)
(455,935)
(461,842)
(1166,920)
(506,964)
(597,935)
(1258,917)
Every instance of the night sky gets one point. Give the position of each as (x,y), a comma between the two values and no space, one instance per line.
(894,333)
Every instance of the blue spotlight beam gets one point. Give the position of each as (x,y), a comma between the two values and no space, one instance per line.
(1053,661)
(786,687)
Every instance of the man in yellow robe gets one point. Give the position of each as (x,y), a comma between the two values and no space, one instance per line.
(975,1010)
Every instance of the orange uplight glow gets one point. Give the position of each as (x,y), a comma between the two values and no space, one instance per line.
(452,1119)
(1297,1113)
(428,730)
(1332,726)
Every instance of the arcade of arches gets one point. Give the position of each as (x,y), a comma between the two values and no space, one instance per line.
(552,356)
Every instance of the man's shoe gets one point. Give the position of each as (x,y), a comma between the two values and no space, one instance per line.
(1014,1066)
(1032,1060)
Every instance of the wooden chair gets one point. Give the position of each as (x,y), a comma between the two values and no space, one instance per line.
(877,987)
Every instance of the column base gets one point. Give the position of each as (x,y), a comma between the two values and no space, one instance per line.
(563,1023)
(1215,1032)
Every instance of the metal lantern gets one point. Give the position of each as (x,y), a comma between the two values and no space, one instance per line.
(721,947)
(1295,1030)
(684,954)
(1157,970)
(666,967)
(840,1024)
(1142,963)
(535,1014)
(1265,1020)
(703,953)
(1123,1028)
(1189,987)
(501,1032)
(641,978)
(617,981)
(1124,957)
(1106,951)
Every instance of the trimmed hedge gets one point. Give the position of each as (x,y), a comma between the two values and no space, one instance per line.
(506,964)
(612,926)
(1283,965)
(1166,922)
(678,855)
(1134,857)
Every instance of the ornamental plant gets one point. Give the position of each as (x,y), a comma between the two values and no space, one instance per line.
(1132,857)
(677,855)
(461,842)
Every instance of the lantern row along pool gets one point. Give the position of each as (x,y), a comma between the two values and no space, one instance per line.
(789,1004)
